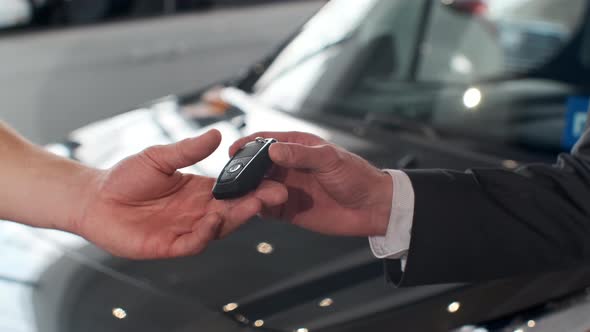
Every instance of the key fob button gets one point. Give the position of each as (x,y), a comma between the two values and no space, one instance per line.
(227,176)
(232,170)
(235,168)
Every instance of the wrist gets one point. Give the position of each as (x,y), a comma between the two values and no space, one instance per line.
(382,201)
(84,191)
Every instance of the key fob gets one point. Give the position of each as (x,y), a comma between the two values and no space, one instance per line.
(244,172)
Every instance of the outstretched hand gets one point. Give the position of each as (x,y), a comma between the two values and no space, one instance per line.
(331,190)
(144,208)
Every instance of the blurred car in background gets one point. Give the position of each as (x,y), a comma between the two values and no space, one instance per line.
(75,12)
(15,13)
(59,12)
(405,84)
(91,11)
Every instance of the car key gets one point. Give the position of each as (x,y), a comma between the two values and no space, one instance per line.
(245,170)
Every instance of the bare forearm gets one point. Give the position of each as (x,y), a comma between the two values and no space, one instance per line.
(38,188)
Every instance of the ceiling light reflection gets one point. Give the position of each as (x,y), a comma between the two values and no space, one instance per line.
(512,164)
(531,323)
(259,323)
(230,307)
(265,248)
(461,64)
(326,302)
(454,307)
(119,313)
(472,98)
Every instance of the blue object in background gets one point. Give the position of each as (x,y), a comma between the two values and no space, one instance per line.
(575,120)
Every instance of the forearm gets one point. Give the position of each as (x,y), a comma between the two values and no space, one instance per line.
(39,188)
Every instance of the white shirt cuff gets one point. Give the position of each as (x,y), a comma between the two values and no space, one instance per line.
(396,242)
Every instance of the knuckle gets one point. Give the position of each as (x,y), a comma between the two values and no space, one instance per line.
(303,138)
(289,155)
(330,152)
(314,139)
(152,151)
(152,157)
(331,156)
(151,154)
(180,154)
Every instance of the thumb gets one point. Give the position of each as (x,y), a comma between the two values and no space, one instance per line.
(169,158)
(292,155)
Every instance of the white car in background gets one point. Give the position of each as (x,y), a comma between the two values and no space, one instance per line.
(15,13)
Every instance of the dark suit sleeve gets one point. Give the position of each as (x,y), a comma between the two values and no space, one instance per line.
(488,224)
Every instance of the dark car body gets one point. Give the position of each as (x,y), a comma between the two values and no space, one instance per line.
(91,11)
(74,12)
(393,110)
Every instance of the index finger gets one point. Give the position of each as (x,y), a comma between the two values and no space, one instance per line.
(285,136)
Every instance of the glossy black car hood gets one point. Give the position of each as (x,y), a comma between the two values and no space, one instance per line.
(269,275)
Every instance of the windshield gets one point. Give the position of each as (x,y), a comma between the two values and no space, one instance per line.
(456,65)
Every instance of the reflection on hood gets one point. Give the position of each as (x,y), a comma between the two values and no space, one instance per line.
(25,253)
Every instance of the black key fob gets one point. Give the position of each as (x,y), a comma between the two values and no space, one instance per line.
(244,172)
